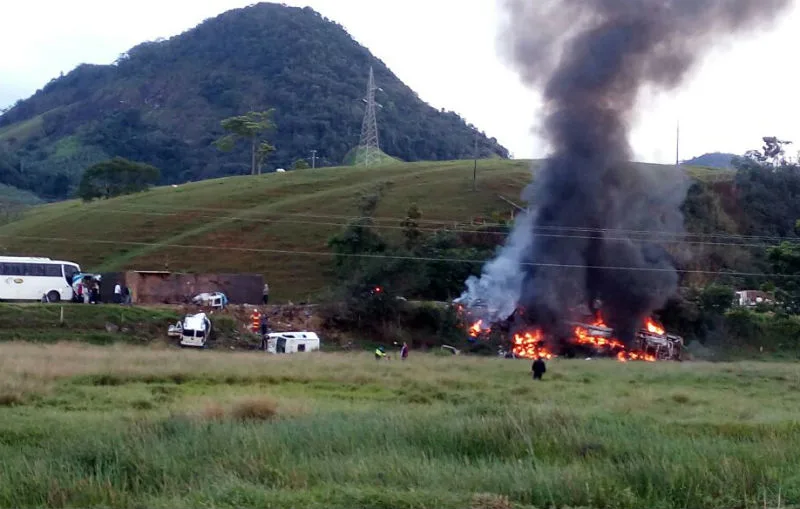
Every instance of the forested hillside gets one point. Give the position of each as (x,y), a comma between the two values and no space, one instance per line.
(162,102)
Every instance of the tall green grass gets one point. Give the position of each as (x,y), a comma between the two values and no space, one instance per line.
(121,427)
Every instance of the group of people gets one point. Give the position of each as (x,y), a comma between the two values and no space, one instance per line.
(380,352)
(86,291)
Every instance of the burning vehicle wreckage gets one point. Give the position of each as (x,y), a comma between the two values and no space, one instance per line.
(589,338)
(600,231)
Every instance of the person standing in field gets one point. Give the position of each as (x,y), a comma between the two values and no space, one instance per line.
(266,293)
(404,351)
(539,368)
(264,329)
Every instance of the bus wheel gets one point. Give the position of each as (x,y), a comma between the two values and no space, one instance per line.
(53,296)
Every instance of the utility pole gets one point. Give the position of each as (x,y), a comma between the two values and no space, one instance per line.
(313,159)
(475,168)
(678,144)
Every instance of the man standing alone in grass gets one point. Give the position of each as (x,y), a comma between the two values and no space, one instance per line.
(264,330)
(539,368)
(266,293)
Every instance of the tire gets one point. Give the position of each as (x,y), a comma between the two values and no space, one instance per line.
(53,296)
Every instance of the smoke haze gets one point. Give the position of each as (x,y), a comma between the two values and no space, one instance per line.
(592,59)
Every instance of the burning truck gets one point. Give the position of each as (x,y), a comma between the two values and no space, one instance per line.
(591,337)
(598,226)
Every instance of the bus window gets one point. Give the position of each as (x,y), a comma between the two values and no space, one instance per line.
(69,272)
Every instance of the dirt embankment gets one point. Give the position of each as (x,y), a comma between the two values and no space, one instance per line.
(107,324)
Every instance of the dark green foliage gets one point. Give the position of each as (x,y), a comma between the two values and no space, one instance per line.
(716,299)
(769,197)
(785,261)
(751,330)
(116,177)
(162,103)
(300,164)
(410,225)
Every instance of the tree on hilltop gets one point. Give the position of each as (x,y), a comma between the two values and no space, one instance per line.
(249,127)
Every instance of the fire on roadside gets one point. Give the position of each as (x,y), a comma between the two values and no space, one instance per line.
(531,345)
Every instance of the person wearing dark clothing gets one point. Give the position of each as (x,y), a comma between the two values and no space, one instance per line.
(264,329)
(539,368)
(404,351)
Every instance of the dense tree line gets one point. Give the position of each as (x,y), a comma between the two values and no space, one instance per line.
(162,103)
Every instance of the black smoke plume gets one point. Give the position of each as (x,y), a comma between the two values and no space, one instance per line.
(596,220)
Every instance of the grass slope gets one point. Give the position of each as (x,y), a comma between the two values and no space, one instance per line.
(275,224)
(126,427)
(352,158)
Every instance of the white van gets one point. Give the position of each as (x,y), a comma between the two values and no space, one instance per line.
(292,342)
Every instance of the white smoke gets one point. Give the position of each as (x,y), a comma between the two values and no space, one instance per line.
(495,295)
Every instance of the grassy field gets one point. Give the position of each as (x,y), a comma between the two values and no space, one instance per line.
(85,426)
(96,324)
(274,224)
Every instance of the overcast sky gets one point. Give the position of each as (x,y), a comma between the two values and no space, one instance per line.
(447,51)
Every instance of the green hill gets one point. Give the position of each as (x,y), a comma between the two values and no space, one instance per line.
(162,102)
(352,158)
(277,224)
(713,160)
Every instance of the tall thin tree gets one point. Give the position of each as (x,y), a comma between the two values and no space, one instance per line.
(249,127)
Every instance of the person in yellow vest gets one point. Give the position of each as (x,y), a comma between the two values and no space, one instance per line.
(380,353)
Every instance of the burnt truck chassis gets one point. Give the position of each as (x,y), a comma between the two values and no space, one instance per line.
(663,347)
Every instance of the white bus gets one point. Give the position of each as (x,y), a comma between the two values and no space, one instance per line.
(25,278)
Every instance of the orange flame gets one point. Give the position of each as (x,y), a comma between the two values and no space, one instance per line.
(654,328)
(476,329)
(528,345)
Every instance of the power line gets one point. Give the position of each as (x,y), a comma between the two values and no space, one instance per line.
(394,257)
(446,223)
(599,235)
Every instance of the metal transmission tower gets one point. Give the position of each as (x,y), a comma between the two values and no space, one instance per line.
(369,148)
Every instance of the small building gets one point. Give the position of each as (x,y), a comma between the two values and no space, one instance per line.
(752,298)
(292,342)
(163,287)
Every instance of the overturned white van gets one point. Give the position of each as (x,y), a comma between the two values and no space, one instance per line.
(195,330)
(292,342)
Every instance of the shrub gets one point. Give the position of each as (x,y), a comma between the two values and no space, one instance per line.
(255,409)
